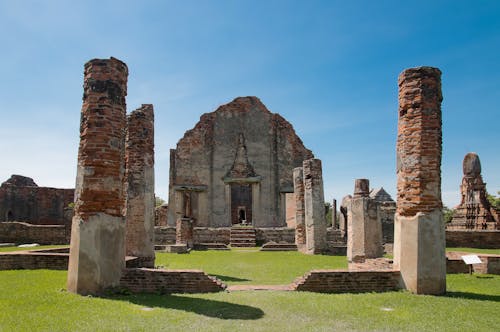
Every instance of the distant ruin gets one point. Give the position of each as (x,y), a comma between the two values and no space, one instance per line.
(474,211)
(21,199)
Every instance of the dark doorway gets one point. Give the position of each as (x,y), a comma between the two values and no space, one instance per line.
(9,216)
(241,203)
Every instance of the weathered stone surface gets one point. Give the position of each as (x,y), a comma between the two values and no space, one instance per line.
(387,209)
(363,227)
(419,245)
(22,200)
(344,215)
(314,207)
(474,211)
(139,161)
(298,188)
(236,162)
(361,188)
(184,232)
(161,215)
(97,253)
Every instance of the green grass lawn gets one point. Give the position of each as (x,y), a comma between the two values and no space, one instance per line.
(244,266)
(37,301)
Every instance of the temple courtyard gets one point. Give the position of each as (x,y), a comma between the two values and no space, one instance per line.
(38,300)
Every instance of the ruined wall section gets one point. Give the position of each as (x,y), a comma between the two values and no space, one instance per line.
(206,153)
(22,200)
(139,160)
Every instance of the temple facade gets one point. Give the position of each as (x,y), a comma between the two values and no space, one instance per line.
(235,167)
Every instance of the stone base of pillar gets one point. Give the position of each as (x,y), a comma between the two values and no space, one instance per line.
(419,252)
(184,232)
(97,253)
(365,229)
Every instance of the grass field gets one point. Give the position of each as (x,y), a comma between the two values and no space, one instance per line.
(37,301)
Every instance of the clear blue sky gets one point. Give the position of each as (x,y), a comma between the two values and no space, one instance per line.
(329,67)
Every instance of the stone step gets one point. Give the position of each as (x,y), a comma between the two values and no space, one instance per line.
(211,246)
(246,245)
(279,247)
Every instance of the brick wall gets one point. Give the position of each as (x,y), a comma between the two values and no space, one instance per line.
(169,281)
(490,264)
(473,239)
(33,261)
(342,281)
(36,205)
(275,234)
(21,232)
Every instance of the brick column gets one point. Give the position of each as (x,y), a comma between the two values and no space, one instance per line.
(184,232)
(97,254)
(364,226)
(419,241)
(314,207)
(298,190)
(139,160)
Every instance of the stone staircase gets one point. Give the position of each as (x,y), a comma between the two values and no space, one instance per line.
(242,237)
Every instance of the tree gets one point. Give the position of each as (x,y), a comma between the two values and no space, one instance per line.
(447,214)
(494,201)
(159,201)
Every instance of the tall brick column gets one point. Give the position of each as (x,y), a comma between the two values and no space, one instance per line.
(363,226)
(298,190)
(139,160)
(419,241)
(97,254)
(314,206)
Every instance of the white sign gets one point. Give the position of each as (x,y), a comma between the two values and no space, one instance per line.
(471,259)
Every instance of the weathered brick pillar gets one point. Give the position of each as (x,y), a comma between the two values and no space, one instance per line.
(184,232)
(298,190)
(97,254)
(419,237)
(314,206)
(334,214)
(139,161)
(363,226)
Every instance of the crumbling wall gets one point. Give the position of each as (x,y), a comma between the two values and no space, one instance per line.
(22,200)
(203,157)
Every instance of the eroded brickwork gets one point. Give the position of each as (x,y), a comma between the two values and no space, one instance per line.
(419,245)
(419,141)
(21,199)
(474,211)
(240,148)
(139,161)
(314,207)
(298,188)
(97,253)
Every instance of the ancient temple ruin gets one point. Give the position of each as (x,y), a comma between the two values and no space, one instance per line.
(474,211)
(21,199)
(419,237)
(235,167)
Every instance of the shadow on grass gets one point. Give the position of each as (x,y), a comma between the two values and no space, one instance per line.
(474,296)
(228,278)
(210,308)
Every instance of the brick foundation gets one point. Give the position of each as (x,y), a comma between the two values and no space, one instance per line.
(143,280)
(473,239)
(21,232)
(341,281)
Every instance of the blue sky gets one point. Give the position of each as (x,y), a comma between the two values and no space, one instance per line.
(329,67)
